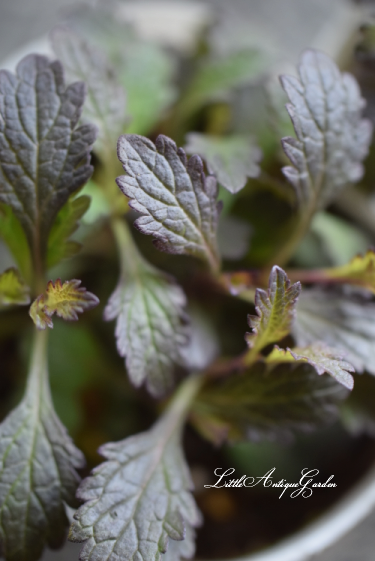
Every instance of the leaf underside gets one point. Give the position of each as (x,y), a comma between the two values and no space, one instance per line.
(268,402)
(275,309)
(343,320)
(232,159)
(65,299)
(322,358)
(44,157)
(38,463)
(332,139)
(137,500)
(151,327)
(177,202)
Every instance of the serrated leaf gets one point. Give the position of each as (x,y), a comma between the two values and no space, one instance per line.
(13,289)
(177,202)
(267,402)
(216,77)
(66,300)
(232,159)
(344,321)
(151,327)
(332,139)
(275,309)
(359,271)
(321,357)
(38,463)
(12,233)
(59,245)
(44,157)
(140,498)
(106,100)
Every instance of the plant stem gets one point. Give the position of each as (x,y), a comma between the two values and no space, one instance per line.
(179,406)
(37,381)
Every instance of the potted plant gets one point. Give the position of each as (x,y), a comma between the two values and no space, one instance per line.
(240,229)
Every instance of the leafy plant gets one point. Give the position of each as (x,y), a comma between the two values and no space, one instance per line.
(138,504)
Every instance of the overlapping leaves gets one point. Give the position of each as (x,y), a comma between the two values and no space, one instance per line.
(151,327)
(177,202)
(44,157)
(138,499)
(332,138)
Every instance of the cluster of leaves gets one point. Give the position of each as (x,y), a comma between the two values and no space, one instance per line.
(138,503)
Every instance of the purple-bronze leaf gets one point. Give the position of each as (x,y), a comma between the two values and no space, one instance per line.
(332,138)
(44,156)
(177,202)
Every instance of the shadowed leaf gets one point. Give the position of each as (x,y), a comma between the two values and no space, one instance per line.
(267,402)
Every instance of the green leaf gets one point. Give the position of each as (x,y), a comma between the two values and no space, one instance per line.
(44,157)
(267,401)
(13,290)
(343,320)
(232,159)
(332,139)
(151,328)
(38,463)
(66,223)
(140,498)
(321,357)
(146,72)
(275,312)
(105,103)
(66,300)
(177,202)
(216,77)
(12,233)
(359,271)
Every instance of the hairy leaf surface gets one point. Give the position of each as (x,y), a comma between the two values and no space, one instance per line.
(232,159)
(177,202)
(38,463)
(332,139)
(139,498)
(44,157)
(67,221)
(151,328)
(13,289)
(344,321)
(65,299)
(267,402)
(105,104)
(321,357)
(275,309)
